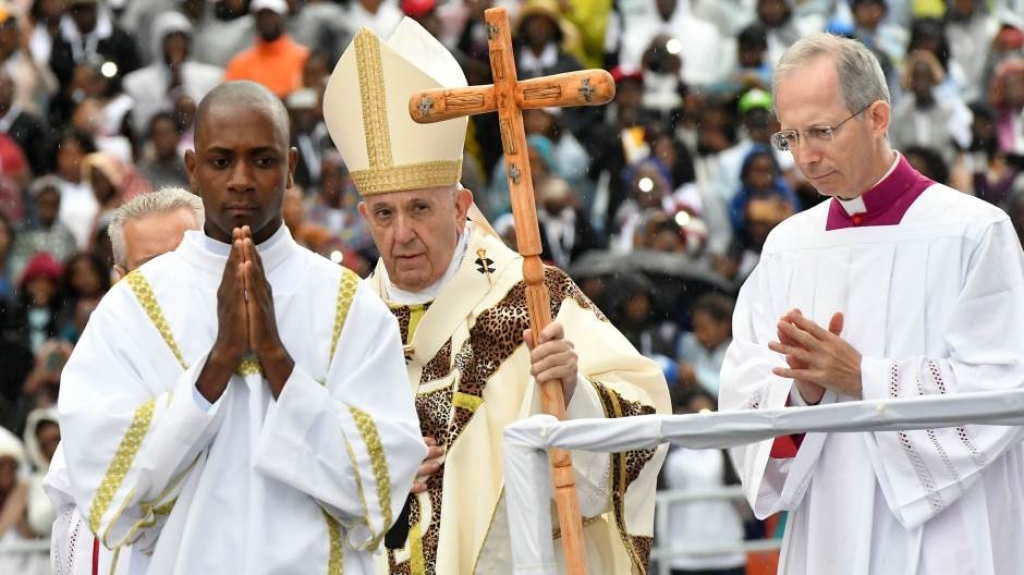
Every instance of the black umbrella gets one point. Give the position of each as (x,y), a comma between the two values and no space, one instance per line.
(677,279)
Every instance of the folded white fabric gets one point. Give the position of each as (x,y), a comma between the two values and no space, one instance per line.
(528,481)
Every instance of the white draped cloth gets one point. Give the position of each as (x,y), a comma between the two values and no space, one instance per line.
(526,442)
(936,306)
(306,483)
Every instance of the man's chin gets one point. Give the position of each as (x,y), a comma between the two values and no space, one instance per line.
(413,286)
(254,220)
(412,280)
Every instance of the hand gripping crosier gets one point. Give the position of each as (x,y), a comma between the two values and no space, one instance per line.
(509,97)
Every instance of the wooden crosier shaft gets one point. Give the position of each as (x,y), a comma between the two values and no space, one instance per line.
(509,98)
(524,212)
(558,90)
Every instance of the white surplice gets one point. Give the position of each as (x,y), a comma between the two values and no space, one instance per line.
(936,306)
(307,483)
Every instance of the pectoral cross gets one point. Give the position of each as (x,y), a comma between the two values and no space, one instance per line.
(509,97)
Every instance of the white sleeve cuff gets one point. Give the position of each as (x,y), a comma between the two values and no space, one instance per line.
(584,402)
(797,400)
(201,402)
(795,397)
(592,469)
(192,377)
(875,376)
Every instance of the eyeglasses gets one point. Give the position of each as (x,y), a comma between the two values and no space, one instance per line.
(786,140)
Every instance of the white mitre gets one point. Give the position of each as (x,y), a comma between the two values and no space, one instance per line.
(366,107)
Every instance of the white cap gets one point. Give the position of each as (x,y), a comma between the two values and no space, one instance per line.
(10,446)
(366,108)
(302,99)
(278,6)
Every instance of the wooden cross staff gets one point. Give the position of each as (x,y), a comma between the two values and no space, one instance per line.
(509,98)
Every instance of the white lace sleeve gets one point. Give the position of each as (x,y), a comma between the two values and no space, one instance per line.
(70,542)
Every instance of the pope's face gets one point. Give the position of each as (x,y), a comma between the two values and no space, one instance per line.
(846,166)
(241,167)
(416,232)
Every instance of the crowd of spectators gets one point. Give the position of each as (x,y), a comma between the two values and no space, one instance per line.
(658,203)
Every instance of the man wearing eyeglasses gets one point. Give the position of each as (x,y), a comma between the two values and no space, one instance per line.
(895,287)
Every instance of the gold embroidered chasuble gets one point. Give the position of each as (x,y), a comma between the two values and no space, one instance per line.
(470,372)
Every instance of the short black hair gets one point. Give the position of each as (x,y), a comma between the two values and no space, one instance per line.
(753,36)
(162,116)
(682,395)
(933,162)
(244,93)
(716,305)
(855,3)
(81,137)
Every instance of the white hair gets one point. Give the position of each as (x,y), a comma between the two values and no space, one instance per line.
(162,201)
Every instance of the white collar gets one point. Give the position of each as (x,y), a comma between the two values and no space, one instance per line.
(83,47)
(212,255)
(547,59)
(857,205)
(397,295)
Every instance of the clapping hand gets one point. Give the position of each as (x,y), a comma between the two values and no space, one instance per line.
(817,359)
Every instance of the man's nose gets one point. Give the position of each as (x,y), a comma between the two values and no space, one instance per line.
(806,154)
(240,179)
(404,232)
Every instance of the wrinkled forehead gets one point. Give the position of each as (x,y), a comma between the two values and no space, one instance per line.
(809,95)
(432,196)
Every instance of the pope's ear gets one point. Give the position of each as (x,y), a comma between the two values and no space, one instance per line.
(119,273)
(463,200)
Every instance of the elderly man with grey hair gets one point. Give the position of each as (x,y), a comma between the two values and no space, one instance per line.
(151,225)
(894,287)
(148,226)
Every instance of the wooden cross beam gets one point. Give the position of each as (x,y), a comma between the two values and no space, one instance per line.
(509,97)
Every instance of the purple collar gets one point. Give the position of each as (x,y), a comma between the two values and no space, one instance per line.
(883,205)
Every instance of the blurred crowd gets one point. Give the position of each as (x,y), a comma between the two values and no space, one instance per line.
(657,204)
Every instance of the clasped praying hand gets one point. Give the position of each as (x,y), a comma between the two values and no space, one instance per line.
(247,324)
(817,359)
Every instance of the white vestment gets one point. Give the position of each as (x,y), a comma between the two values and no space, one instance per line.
(306,483)
(936,306)
(73,549)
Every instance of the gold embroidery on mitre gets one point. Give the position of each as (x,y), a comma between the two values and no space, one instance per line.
(121,463)
(368,431)
(371,92)
(144,293)
(415,176)
(346,294)
(335,559)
